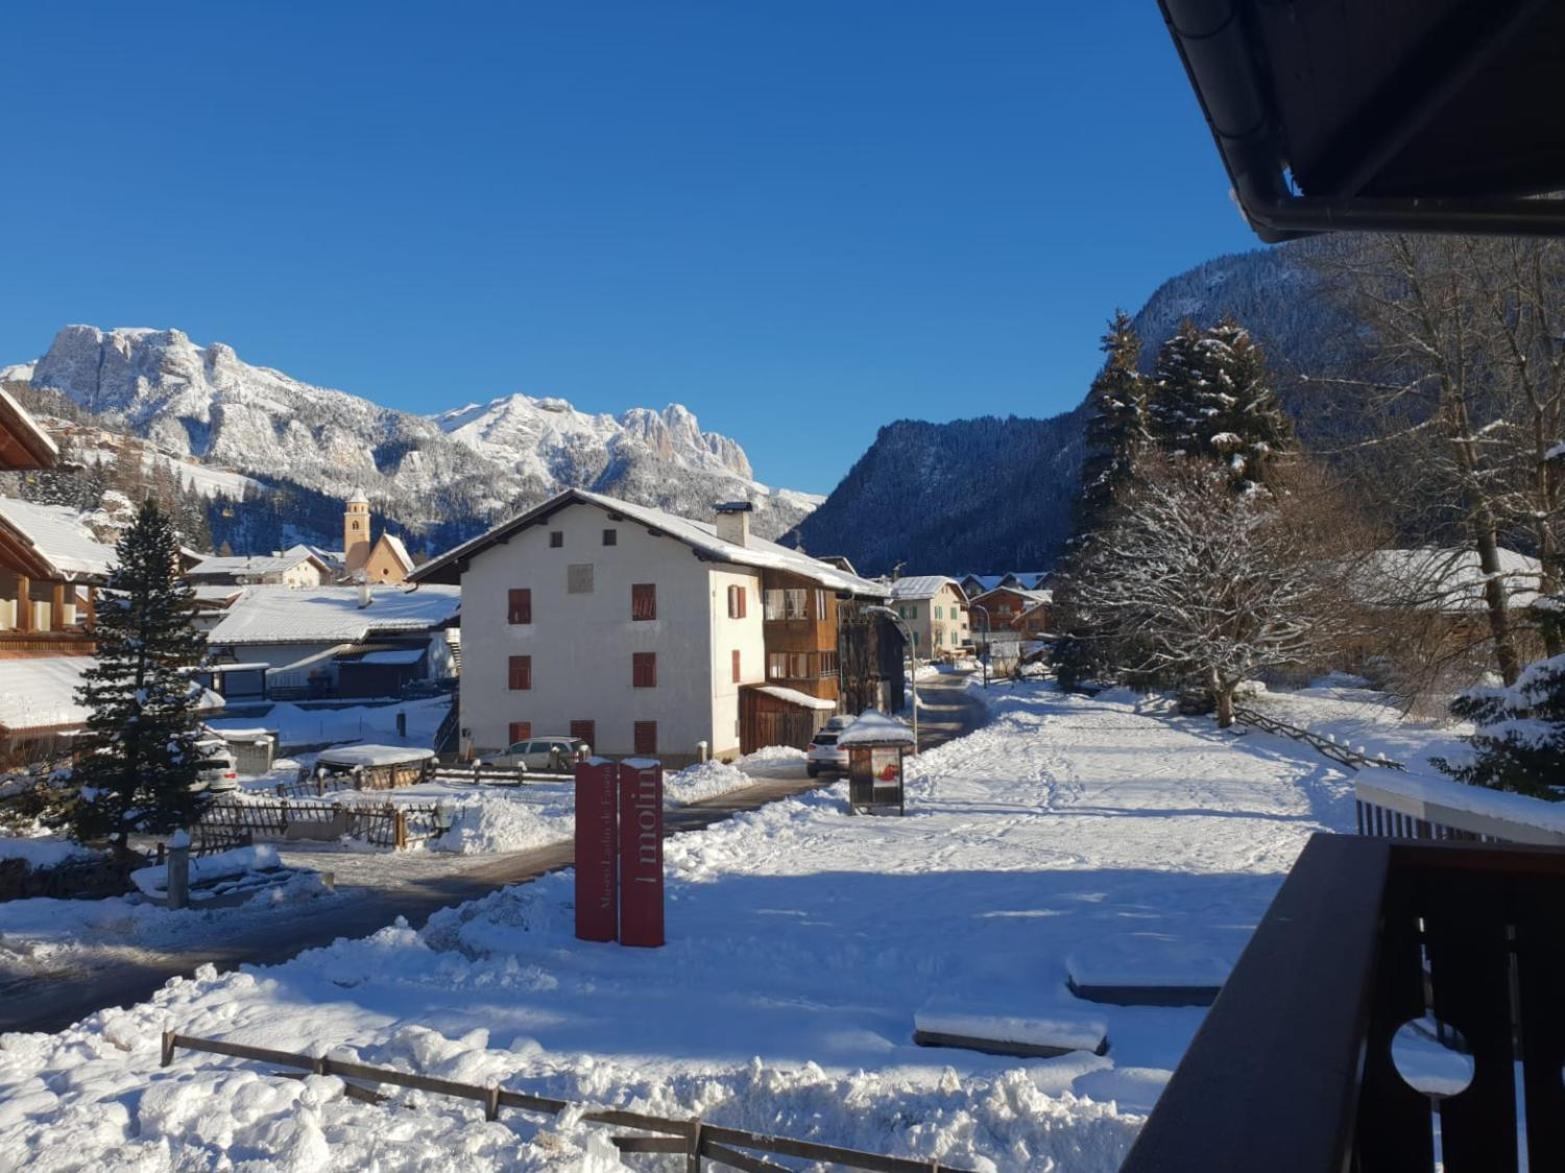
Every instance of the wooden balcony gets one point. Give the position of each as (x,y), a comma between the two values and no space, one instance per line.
(58,624)
(1293,1069)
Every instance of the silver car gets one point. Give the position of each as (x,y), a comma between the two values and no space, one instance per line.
(824,753)
(555,755)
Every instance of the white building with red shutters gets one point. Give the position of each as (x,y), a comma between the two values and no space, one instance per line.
(639,631)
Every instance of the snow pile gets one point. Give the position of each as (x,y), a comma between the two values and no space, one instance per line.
(772,754)
(502,822)
(1341,708)
(209,869)
(42,851)
(703,780)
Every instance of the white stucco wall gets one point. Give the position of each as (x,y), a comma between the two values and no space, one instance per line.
(581,644)
(747,637)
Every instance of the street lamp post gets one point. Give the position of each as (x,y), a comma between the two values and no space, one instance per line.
(988,632)
(907,636)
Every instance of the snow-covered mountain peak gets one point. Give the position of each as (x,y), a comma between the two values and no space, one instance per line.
(473,464)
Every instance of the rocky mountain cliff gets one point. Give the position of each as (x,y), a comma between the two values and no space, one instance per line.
(443,477)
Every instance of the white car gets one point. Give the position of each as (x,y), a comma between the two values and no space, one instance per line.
(824,753)
(219,773)
(557,754)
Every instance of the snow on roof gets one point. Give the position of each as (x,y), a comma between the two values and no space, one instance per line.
(398,551)
(240,564)
(1031,598)
(698,535)
(358,498)
(876,728)
(794,697)
(58,536)
(1447,580)
(40,693)
(393,656)
(40,446)
(331,614)
(988,582)
(207,592)
(923,586)
(372,755)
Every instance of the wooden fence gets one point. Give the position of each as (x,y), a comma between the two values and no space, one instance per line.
(387,825)
(1338,752)
(695,1139)
(478,775)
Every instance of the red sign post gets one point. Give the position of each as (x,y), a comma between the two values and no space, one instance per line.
(640,852)
(597,905)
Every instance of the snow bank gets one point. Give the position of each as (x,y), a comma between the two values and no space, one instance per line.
(703,780)
(42,851)
(772,754)
(499,822)
(207,869)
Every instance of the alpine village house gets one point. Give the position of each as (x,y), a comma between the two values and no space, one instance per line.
(642,632)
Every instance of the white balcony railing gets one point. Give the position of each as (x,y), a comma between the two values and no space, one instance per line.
(1410,806)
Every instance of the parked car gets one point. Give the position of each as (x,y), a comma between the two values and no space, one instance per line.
(824,753)
(219,768)
(555,755)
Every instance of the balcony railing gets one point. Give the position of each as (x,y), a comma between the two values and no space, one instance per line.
(1406,806)
(1293,1071)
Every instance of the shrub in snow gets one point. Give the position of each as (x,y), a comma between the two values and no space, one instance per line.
(1519,742)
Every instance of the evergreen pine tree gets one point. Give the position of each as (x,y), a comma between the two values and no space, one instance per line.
(1119,428)
(141,759)
(1215,400)
(1519,742)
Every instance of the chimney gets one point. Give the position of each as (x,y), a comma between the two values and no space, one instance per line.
(733,522)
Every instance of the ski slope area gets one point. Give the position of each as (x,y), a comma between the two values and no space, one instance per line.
(1096,836)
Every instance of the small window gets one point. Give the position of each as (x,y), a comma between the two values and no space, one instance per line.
(736,666)
(644,669)
(519,606)
(556,539)
(777,665)
(519,731)
(796,603)
(799,666)
(644,600)
(587,731)
(521,673)
(828,662)
(773,604)
(820,605)
(611,537)
(578,579)
(737,602)
(940,612)
(646,737)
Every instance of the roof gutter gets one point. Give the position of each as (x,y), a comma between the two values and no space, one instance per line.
(1214,44)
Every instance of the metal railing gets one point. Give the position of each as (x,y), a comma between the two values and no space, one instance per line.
(695,1138)
(1292,1070)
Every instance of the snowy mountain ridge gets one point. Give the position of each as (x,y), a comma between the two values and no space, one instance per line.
(460,469)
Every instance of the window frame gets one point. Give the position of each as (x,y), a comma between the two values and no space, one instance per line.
(519,667)
(519,601)
(556,539)
(643,592)
(643,669)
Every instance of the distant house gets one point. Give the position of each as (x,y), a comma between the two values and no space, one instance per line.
(298,566)
(1028,580)
(385,559)
(648,633)
(1013,609)
(935,608)
(339,641)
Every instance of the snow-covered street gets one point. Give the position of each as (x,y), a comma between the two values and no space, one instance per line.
(1069,834)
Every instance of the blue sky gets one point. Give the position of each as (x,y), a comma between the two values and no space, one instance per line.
(800,219)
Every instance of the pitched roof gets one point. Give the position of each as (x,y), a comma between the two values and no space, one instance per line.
(924,586)
(40,693)
(53,538)
(398,551)
(698,535)
(1031,598)
(256,564)
(23,444)
(1448,580)
(331,614)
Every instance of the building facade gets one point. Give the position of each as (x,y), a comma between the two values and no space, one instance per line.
(639,631)
(935,609)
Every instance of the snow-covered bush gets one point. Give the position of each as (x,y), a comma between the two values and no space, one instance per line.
(1519,743)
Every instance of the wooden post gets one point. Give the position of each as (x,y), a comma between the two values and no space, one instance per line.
(168,1048)
(178,882)
(693,1160)
(24,603)
(57,607)
(92,607)
(492,1102)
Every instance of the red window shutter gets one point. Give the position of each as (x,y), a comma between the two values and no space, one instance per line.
(646,737)
(587,731)
(736,602)
(644,669)
(519,731)
(521,672)
(520,605)
(644,600)
(737,673)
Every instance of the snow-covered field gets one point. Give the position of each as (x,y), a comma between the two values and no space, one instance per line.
(1096,834)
